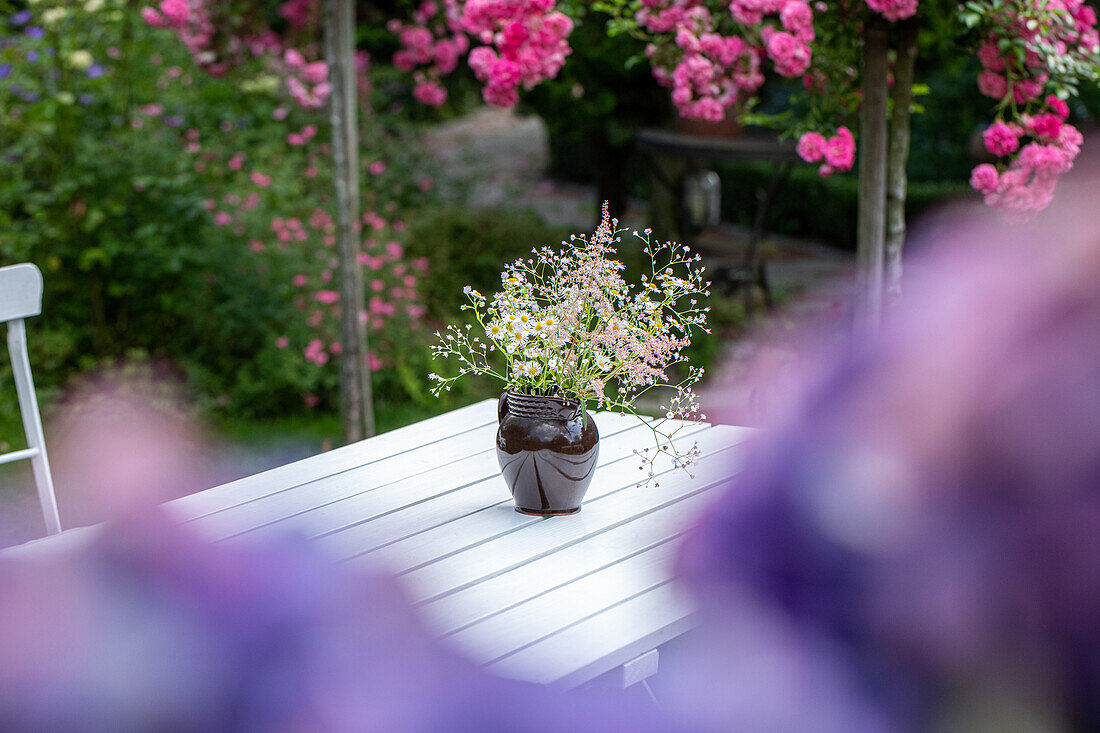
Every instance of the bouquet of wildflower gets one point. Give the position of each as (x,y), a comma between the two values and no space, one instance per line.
(566,324)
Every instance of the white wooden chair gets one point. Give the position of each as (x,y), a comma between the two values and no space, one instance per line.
(21,297)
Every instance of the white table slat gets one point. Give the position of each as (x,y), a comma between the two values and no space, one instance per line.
(488,557)
(540,617)
(356,496)
(335,461)
(464,608)
(600,643)
(443,518)
(496,517)
(328,490)
(557,600)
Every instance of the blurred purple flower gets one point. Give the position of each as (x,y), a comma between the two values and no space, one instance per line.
(20,18)
(917,546)
(173,120)
(95,71)
(32,55)
(5,71)
(35,32)
(149,628)
(25,95)
(85,98)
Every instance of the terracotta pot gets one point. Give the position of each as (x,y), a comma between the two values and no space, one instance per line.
(547,449)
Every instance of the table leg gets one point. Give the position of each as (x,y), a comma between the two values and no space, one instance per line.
(764,197)
(638,670)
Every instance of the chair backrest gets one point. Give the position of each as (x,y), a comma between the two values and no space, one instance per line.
(20,292)
(21,297)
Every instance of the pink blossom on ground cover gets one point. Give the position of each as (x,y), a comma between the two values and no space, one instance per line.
(245,202)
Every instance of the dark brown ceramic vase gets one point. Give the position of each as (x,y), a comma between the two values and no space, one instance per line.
(547,449)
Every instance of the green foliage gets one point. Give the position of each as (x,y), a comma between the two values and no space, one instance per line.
(152,195)
(470,247)
(811,206)
(597,102)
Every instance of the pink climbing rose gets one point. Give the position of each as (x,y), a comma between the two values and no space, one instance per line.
(1001,139)
(840,150)
(811,147)
(984,178)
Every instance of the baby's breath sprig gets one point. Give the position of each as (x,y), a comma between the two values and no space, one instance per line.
(566,323)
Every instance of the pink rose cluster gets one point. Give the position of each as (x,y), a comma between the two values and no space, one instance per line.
(1044,146)
(666,16)
(713,73)
(1004,74)
(894,9)
(525,43)
(837,153)
(709,72)
(431,47)
(196,22)
(1037,144)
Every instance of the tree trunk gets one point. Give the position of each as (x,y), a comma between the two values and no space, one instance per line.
(872,178)
(356,410)
(896,181)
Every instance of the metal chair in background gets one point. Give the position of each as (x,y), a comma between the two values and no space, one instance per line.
(21,297)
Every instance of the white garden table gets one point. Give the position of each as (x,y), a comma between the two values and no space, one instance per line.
(559,600)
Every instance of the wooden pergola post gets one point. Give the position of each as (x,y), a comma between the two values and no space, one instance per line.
(356,408)
(870,248)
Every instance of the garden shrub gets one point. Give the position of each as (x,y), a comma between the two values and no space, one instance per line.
(187,217)
(469,246)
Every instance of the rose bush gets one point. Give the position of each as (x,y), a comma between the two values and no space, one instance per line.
(712,55)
